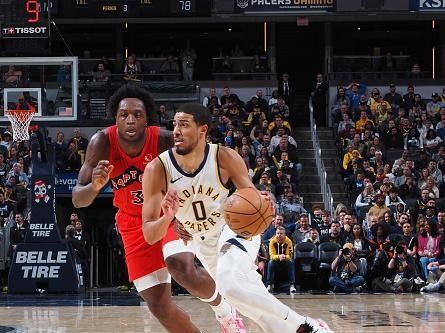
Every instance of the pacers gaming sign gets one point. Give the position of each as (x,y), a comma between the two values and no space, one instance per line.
(278,6)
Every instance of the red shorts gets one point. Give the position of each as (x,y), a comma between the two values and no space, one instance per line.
(142,258)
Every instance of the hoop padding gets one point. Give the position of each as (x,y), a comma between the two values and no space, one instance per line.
(20,120)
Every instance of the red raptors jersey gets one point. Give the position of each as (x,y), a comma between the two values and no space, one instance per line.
(126,178)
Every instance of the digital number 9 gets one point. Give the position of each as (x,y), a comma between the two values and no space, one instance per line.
(32,8)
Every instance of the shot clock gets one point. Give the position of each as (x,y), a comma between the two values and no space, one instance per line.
(26,19)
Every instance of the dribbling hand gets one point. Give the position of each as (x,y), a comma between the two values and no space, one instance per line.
(101,174)
(170,204)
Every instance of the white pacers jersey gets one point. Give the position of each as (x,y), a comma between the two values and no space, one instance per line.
(201,193)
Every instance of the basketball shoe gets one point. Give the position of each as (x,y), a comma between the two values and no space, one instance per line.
(232,323)
(314,326)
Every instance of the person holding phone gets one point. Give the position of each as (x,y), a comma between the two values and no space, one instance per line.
(345,275)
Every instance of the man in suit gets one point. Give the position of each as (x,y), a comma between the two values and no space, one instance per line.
(286,89)
(17,233)
(318,93)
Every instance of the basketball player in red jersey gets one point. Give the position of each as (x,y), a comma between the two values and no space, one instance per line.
(120,153)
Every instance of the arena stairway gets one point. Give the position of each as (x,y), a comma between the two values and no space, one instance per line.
(309,184)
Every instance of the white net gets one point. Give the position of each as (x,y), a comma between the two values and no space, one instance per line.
(20,120)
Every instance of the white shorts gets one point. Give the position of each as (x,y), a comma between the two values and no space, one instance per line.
(153,279)
(209,246)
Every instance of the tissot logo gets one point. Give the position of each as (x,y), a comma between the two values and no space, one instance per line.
(24,30)
(431,4)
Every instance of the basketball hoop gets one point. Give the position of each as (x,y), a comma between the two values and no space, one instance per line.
(20,120)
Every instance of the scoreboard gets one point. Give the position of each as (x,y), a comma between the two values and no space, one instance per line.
(132,8)
(25,19)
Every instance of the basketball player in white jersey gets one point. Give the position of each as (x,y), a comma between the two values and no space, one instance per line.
(190,183)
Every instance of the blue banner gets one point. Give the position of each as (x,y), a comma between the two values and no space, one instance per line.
(428,5)
(282,6)
(65,182)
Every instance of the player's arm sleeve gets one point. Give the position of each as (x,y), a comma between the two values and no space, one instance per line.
(83,193)
(154,226)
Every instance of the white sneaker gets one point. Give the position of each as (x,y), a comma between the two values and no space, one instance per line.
(232,323)
(314,326)
(270,288)
(431,288)
(292,289)
(418,280)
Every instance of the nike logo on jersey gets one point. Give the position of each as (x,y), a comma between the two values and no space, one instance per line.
(174,181)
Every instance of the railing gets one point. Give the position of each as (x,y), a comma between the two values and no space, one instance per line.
(326,192)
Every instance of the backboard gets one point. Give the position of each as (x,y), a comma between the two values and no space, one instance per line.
(49,84)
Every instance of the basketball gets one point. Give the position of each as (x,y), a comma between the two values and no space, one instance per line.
(247,212)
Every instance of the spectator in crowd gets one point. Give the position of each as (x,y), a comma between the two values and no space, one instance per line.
(64,74)
(132,69)
(61,149)
(227,97)
(302,233)
(318,94)
(314,237)
(345,275)
(286,89)
(324,227)
(428,244)
(12,76)
(361,246)
(436,269)
(17,233)
(281,254)
(79,141)
(20,177)
(165,117)
(365,200)
(270,232)
(101,74)
(4,169)
(379,208)
(408,98)
(393,98)
(79,248)
(82,247)
(170,66)
(188,58)
(290,206)
(401,272)
(334,235)
(273,98)
(380,247)
(7,140)
(74,159)
(212,93)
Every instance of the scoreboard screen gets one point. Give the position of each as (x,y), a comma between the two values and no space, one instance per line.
(25,19)
(132,8)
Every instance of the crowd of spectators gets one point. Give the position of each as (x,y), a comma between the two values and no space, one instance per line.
(393,162)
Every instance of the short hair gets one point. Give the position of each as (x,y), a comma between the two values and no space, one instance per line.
(280,227)
(201,115)
(132,91)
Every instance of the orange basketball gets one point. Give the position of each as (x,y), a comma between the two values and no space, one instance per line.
(247,212)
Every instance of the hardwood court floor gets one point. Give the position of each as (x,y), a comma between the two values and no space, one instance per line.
(344,313)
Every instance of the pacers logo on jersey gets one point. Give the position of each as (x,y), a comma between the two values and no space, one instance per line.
(191,192)
(202,203)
